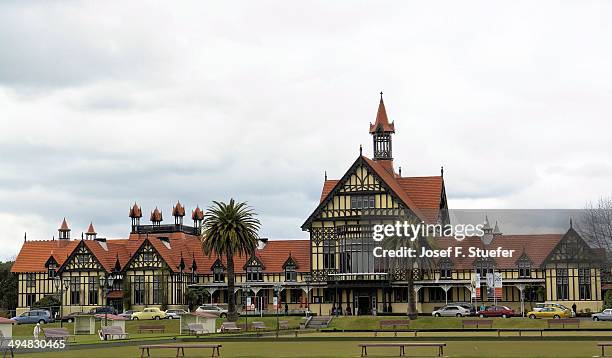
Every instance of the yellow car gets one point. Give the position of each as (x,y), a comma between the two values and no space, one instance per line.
(550,312)
(149,313)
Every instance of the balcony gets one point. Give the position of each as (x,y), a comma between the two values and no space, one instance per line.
(164,229)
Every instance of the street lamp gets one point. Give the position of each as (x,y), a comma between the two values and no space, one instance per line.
(107,284)
(277,289)
(246,289)
(308,279)
(61,285)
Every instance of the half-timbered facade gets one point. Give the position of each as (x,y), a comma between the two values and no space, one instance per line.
(335,268)
(346,274)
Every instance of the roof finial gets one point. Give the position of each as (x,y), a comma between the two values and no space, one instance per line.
(360,150)
(326,175)
(400,172)
(381,93)
(25,236)
(442,171)
(571,223)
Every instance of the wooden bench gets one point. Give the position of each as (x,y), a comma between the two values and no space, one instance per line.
(520,331)
(603,346)
(58,333)
(395,323)
(402,347)
(563,322)
(197,329)
(230,327)
(112,332)
(283,324)
(477,323)
(152,328)
(180,348)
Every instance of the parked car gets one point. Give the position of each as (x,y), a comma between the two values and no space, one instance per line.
(216,310)
(69,317)
(550,312)
(149,313)
(496,311)
(103,310)
(539,306)
(174,313)
(451,311)
(34,316)
(127,314)
(467,306)
(606,315)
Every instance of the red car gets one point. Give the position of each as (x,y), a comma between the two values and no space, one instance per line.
(496,311)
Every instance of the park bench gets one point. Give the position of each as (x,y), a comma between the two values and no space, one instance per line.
(477,323)
(395,323)
(258,326)
(402,347)
(112,332)
(283,324)
(520,331)
(564,322)
(151,328)
(180,348)
(230,327)
(58,333)
(603,346)
(197,329)
(5,346)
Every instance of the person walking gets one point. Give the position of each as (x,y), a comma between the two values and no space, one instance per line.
(36,331)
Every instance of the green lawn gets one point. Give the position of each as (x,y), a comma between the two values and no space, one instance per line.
(524,349)
(429,322)
(172,328)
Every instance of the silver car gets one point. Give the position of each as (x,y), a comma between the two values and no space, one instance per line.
(606,315)
(451,311)
(216,310)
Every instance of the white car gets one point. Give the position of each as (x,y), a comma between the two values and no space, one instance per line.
(216,310)
(606,315)
(174,313)
(451,311)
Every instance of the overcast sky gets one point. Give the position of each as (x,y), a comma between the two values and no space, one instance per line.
(107,103)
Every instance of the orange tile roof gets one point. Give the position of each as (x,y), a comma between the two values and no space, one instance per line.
(34,254)
(90,229)
(536,247)
(382,122)
(135,211)
(64,226)
(421,194)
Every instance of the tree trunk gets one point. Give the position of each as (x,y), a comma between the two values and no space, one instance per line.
(412,309)
(232,315)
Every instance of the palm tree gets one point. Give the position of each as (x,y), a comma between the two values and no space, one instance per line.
(230,229)
(410,265)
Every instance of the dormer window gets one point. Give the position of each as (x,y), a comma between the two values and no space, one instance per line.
(446,269)
(290,273)
(524,266)
(484,267)
(254,273)
(218,272)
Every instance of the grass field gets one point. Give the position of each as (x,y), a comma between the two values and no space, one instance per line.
(528,349)
(429,322)
(344,344)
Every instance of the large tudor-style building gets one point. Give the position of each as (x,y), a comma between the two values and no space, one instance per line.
(335,268)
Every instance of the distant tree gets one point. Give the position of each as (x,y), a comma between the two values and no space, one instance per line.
(191,297)
(595,225)
(229,230)
(47,302)
(608,299)
(8,287)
